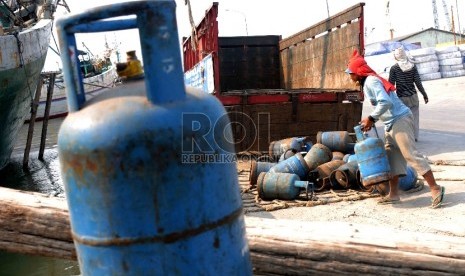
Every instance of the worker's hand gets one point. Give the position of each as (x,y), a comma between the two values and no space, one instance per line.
(426,99)
(366,124)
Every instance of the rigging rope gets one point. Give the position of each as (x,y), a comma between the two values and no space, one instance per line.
(12,16)
(20,4)
(57,51)
(193,29)
(21,64)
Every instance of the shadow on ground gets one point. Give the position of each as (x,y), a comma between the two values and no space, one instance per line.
(40,176)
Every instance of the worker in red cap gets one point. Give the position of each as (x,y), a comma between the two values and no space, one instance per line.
(399,129)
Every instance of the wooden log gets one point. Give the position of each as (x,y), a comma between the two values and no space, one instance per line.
(34,223)
(340,248)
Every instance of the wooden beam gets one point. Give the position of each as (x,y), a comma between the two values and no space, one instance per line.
(339,248)
(36,224)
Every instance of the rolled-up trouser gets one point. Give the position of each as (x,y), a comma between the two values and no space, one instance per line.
(401,148)
(414,104)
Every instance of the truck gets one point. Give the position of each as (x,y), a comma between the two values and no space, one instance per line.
(274,88)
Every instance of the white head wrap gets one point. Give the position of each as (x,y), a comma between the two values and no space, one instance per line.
(403,59)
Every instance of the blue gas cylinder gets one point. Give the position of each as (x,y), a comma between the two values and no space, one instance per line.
(149,174)
(349,158)
(295,164)
(257,167)
(317,155)
(277,148)
(336,140)
(288,153)
(345,176)
(275,185)
(408,181)
(372,159)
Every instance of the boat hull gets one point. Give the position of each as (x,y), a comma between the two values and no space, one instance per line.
(93,86)
(19,76)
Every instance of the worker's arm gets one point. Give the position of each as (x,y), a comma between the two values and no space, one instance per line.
(417,81)
(392,75)
(379,98)
(382,101)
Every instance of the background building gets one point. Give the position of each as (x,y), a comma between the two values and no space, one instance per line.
(432,37)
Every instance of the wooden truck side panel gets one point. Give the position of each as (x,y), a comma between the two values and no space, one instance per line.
(317,56)
(320,62)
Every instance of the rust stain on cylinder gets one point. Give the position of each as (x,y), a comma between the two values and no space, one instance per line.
(327,168)
(342,178)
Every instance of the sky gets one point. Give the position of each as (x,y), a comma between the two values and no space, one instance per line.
(273,17)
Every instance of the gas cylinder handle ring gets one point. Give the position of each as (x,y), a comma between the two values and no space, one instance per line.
(290,149)
(376,131)
(161,55)
(309,187)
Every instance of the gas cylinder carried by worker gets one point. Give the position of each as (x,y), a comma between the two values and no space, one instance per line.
(371,158)
(148,193)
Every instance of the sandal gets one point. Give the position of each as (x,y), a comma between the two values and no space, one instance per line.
(387,200)
(436,202)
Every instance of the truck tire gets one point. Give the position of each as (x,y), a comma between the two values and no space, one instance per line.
(455,54)
(430,76)
(426,58)
(453,74)
(450,61)
(422,52)
(428,64)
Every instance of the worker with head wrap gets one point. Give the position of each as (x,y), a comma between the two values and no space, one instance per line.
(404,75)
(399,134)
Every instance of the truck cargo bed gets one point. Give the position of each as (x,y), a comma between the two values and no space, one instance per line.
(275,88)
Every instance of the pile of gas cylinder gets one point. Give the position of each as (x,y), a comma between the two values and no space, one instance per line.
(338,160)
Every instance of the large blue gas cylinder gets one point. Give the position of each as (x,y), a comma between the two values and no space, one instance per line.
(372,159)
(149,174)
